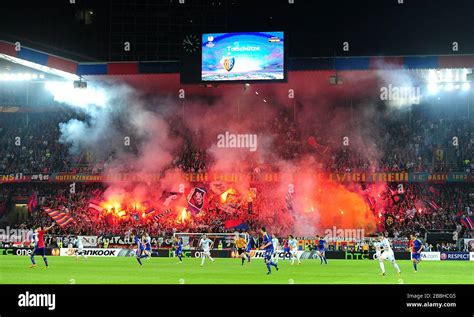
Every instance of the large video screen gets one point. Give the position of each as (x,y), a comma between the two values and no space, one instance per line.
(246,56)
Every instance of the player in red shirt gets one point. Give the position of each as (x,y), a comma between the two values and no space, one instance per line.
(39,245)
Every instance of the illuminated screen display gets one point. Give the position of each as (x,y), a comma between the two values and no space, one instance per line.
(246,56)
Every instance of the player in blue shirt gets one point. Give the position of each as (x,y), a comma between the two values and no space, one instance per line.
(267,245)
(416,248)
(140,249)
(286,250)
(179,249)
(322,249)
(147,246)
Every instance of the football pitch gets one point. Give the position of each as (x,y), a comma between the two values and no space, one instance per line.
(125,270)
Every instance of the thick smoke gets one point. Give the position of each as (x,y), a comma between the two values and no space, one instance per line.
(142,134)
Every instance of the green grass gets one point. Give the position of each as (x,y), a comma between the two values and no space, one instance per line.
(125,270)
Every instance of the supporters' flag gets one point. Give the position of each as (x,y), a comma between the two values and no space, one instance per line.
(314,144)
(149,211)
(33,202)
(410,214)
(236,224)
(60,217)
(196,199)
(167,198)
(95,205)
(397,197)
(433,205)
(162,214)
(468,222)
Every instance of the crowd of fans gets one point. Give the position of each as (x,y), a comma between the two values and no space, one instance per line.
(31,143)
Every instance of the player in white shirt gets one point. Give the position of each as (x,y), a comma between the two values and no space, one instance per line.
(70,242)
(293,249)
(80,248)
(206,245)
(387,254)
(276,249)
(378,250)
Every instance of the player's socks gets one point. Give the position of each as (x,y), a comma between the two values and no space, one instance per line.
(32,258)
(180,258)
(202,261)
(395,265)
(248,258)
(269,268)
(382,267)
(243,261)
(45,261)
(414,266)
(325,260)
(139,261)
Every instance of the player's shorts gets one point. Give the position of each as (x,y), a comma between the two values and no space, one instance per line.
(240,251)
(70,246)
(294,253)
(322,251)
(206,253)
(79,251)
(387,255)
(268,255)
(416,256)
(286,250)
(178,252)
(39,251)
(377,255)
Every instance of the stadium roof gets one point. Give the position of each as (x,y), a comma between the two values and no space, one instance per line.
(60,65)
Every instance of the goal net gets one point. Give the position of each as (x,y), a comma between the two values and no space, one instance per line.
(222,241)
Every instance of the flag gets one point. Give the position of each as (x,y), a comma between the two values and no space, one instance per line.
(410,214)
(196,200)
(236,224)
(433,204)
(149,211)
(468,222)
(313,143)
(167,198)
(33,202)
(62,218)
(160,215)
(95,205)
